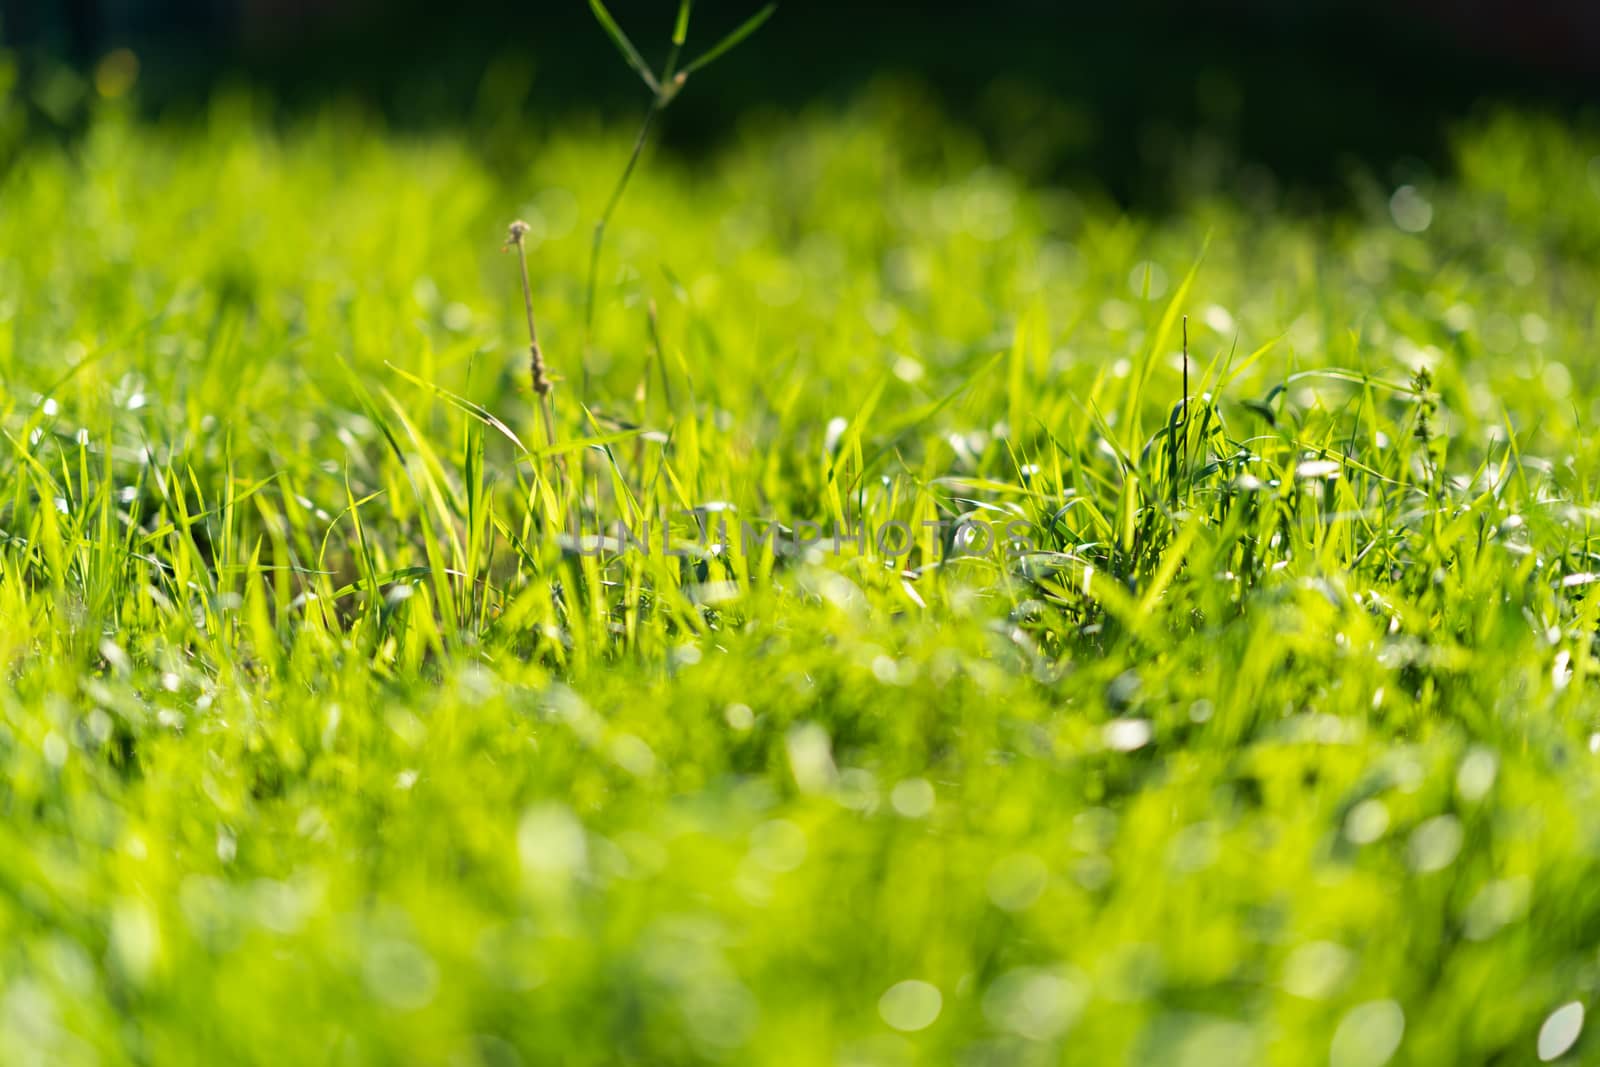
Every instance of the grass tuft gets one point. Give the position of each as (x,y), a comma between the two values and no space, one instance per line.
(1132,657)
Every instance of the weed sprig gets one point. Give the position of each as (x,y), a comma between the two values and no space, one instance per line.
(664,89)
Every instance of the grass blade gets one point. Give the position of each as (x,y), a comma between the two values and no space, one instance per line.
(680,31)
(625,46)
(749,26)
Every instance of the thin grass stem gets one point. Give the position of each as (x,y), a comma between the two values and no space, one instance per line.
(537,372)
(600,226)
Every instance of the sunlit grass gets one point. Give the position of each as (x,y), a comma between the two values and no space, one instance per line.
(334,730)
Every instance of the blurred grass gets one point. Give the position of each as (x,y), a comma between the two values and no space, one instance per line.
(320,743)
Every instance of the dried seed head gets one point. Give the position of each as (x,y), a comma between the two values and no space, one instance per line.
(517,232)
(536,369)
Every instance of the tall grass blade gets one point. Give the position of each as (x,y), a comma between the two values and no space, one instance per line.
(722,47)
(625,46)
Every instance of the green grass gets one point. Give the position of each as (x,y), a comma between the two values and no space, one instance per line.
(320,743)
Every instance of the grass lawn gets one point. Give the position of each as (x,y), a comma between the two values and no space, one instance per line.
(342,724)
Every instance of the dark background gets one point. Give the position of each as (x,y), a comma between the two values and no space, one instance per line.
(1058,89)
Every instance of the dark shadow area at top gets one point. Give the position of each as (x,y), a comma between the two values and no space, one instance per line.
(1102,93)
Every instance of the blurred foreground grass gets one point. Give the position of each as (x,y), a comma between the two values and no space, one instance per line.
(324,739)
